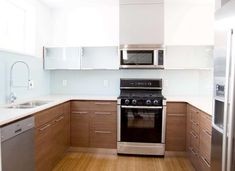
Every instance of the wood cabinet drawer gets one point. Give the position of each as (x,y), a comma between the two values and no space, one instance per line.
(103,120)
(204,165)
(94,105)
(176,107)
(194,115)
(205,122)
(205,145)
(80,130)
(195,128)
(47,115)
(194,140)
(104,106)
(193,156)
(103,138)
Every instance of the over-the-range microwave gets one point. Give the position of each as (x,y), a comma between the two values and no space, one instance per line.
(150,57)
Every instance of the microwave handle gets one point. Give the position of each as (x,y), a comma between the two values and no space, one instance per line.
(155,57)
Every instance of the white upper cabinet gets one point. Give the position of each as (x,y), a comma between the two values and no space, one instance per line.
(87,24)
(100,58)
(62,58)
(189,22)
(141,22)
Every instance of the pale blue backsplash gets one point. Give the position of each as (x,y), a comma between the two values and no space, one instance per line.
(40,77)
(175,82)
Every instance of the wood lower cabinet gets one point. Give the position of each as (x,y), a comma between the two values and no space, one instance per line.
(176,126)
(93,124)
(51,136)
(199,138)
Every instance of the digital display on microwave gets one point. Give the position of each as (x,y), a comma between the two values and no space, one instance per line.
(137,57)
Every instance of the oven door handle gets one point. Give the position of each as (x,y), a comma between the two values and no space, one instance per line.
(142,107)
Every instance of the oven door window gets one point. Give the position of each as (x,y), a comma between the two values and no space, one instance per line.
(137,57)
(141,125)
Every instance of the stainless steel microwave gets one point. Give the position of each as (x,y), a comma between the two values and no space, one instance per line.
(152,58)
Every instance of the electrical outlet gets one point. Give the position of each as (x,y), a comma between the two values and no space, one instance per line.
(106,83)
(31,84)
(64,83)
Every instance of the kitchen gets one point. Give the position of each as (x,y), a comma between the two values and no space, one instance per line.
(116,85)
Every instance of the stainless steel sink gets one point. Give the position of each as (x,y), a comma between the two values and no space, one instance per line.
(28,105)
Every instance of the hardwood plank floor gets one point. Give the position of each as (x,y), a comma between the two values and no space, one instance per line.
(76,161)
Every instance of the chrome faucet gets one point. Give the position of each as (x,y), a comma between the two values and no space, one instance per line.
(12,96)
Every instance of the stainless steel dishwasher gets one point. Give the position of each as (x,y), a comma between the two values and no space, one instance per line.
(17,145)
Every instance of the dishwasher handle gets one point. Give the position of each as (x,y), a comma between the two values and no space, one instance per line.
(16,128)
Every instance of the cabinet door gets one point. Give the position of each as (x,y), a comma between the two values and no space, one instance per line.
(80,129)
(43,148)
(62,58)
(189,22)
(141,23)
(100,58)
(176,127)
(58,138)
(67,123)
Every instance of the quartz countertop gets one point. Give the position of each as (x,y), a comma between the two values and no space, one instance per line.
(9,115)
(203,103)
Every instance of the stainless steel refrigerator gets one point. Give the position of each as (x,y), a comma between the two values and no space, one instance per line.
(223,126)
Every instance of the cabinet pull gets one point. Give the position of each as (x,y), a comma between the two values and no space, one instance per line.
(206,132)
(103,132)
(205,160)
(74,112)
(45,127)
(195,136)
(194,153)
(194,122)
(179,115)
(102,103)
(103,113)
(61,118)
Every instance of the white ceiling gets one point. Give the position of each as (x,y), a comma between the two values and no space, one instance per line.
(69,3)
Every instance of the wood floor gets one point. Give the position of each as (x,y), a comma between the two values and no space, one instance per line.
(74,161)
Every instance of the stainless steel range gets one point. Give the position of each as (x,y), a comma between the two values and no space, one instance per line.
(141,117)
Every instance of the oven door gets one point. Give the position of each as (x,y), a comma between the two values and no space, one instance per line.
(141,124)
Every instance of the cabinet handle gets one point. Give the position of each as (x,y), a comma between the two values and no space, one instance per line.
(195,136)
(179,115)
(103,132)
(205,160)
(61,118)
(102,103)
(194,122)
(45,127)
(206,132)
(194,153)
(74,112)
(103,113)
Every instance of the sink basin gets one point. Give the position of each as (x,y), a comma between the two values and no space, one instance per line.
(28,105)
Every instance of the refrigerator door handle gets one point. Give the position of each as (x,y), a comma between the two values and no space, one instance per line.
(231,104)
(227,112)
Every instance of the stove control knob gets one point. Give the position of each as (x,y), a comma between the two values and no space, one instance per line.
(134,102)
(127,101)
(148,102)
(155,102)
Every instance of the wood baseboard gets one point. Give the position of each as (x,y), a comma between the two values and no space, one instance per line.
(93,150)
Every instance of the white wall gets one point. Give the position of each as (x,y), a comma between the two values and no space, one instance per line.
(87,24)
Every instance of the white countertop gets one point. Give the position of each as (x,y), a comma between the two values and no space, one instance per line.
(9,115)
(205,104)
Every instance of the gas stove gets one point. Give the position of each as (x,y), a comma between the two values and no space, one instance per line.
(141,117)
(136,92)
